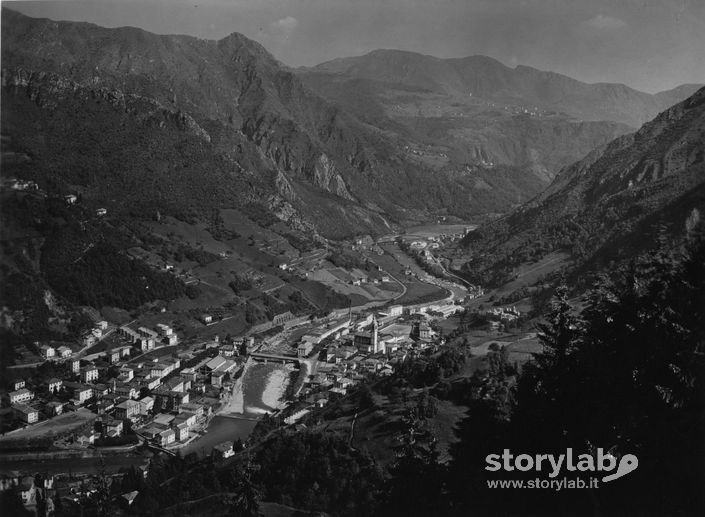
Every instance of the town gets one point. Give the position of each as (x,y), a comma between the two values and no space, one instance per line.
(149,391)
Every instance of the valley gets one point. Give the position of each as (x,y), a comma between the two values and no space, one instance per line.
(236,287)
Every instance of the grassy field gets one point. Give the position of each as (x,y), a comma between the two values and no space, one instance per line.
(339,280)
(50,428)
(528,274)
(396,262)
(421,292)
(317,294)
(522,350)
(425,231)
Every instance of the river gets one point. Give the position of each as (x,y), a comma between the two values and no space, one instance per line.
(258,391)
(221,429)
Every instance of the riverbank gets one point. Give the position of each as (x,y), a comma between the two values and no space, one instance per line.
(221,429)
(264,387)
(277,381)
(235,405)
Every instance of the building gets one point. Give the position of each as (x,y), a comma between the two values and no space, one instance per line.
(126,390)
(280,319)
(223,450)
(112,426)
(126,374)
(20,396)
(18,384)
(504,314)
(131,335)
(47,351)
(85,437)
(181,431)
(163,369)
(185,417)
(150,383)
(335,328)
(145,343)
(344,383)
(149,333)
(189,374)
(175,384)
(102,325)
(54,409)
(196,409)
(395,310)
(64,352)
(304,349)
(128,409)
(368,342)
(443,310)
(165,400)
(100,212)
(82,394)
(164,330)
(74,365)
(364,342)
(89,373)
(421,331)
(228,350)
(216,363)
(55,385)
(217,378)
(163,419)
(70,199)
(206,318)
(160,436)
(26,414)
(104,406)
(167,436)
(88,339)
(114,356)
(146,405)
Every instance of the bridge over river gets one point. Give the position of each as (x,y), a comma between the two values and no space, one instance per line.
(265,358)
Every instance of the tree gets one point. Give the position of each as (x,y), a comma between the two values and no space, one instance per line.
(246,502)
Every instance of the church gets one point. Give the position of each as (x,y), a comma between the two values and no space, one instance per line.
(368,342)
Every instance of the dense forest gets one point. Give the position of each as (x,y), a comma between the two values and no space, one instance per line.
(624,374)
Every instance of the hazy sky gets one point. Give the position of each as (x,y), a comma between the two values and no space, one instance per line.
(651,45)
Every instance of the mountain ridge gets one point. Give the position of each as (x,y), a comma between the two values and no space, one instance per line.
(267,118)
(619,200)
(456,77)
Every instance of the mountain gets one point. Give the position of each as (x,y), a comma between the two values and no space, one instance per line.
(477,110)
(621,199)
(170,112)
(486,78)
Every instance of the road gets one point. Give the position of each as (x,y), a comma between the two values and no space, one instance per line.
(403,286)
(541,265)
(315,255)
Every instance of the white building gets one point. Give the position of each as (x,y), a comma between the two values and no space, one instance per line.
(21,396)
(47,351)
(89,373)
